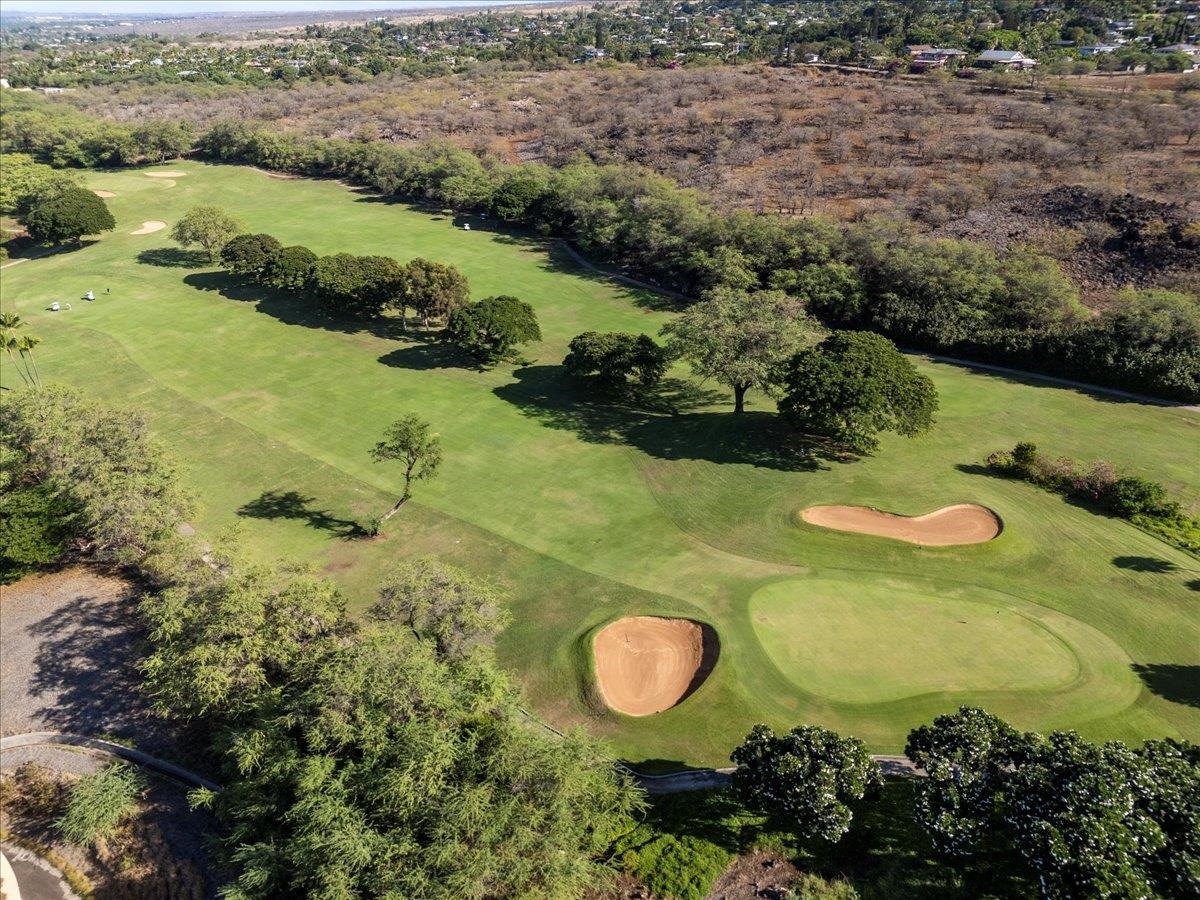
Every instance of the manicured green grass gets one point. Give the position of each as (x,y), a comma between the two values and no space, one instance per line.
(586,512)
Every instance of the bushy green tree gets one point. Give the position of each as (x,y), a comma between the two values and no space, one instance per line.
(1089,820)
(444,605)
(615,359)
(207,227)
(854,385)
(410,442)
(26,181)
(520,193)
(740,339)
(433,289)
(35,526)
(250,255)
(805,778)
(67,215)
(357,285)
(491,329)
(361,760)
(99,802)
(101,462)
(290,268)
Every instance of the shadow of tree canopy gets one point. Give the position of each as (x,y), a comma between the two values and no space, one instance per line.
(294,308)
(1177,683)
(1193,585)
(665,423)
(1145,564)
(294,505)
(174,258)
(426,352)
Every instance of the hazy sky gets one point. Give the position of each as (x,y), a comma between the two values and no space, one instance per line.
(178,6)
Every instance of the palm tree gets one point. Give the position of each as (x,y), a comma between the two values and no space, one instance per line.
(11,344)
(25,347)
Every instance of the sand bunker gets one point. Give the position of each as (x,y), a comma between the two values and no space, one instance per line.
(964,523)
(645,664)
(105,194)
(164,174)
(150,227)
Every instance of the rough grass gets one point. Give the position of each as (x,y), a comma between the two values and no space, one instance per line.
(588,512)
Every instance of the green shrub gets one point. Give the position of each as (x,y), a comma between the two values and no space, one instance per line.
(1133,496)
(99,803)
(35,527)
(682,867)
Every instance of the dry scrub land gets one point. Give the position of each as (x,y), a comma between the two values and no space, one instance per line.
(590,513)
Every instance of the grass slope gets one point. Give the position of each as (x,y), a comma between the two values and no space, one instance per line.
(588,512)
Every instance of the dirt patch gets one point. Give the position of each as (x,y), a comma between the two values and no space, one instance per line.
(164,174)
(963,523)
(105,194)
(150,227)
(757,875)
(645,664)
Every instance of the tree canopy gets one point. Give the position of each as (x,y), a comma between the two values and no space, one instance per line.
(67,214)
(805,778)
(410,442)
(615,359)
(433,289)
(852,386)
(361,759)
(250,255)
(207,227)
(1089,820)
(491,329)
(740,339)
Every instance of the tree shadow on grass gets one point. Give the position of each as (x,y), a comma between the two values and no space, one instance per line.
(427,351)
(666,423)
(293,308)
(1145,564)
(174,258)
(294,505)
(1177,683)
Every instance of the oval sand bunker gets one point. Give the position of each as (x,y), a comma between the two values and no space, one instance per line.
(150,227)
(645,664)
(164,174)
(104,194)
(964,523)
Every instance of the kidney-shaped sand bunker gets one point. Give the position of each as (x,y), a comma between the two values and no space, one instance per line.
(963,523)
(645,664)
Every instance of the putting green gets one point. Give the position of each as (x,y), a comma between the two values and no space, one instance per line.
(874,643)
(588,512)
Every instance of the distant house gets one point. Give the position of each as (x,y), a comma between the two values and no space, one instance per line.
(1005,59)
(1098,49)
(917,49)
(1186,49)
(935,58)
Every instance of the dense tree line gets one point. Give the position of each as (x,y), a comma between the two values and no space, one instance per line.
(1076,819)
(947,295)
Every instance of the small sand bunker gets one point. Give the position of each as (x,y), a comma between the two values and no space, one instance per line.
(164,174)
(150,227)
(964,523)
(105,194)
(645,664)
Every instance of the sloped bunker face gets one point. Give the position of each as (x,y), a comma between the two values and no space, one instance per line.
(963,523)
(645,664)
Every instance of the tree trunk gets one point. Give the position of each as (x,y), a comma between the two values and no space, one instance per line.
(395,509)
(739,397)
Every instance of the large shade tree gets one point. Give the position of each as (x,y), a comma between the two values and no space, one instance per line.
(740,339)
(250,255)
(614,360)
(362,759)
(1089,820)
(433,289)
(68,214)
(805,778)
(491,329)
(207,227)
(854,385)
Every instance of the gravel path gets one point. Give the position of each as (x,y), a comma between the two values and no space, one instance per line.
(69,650)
